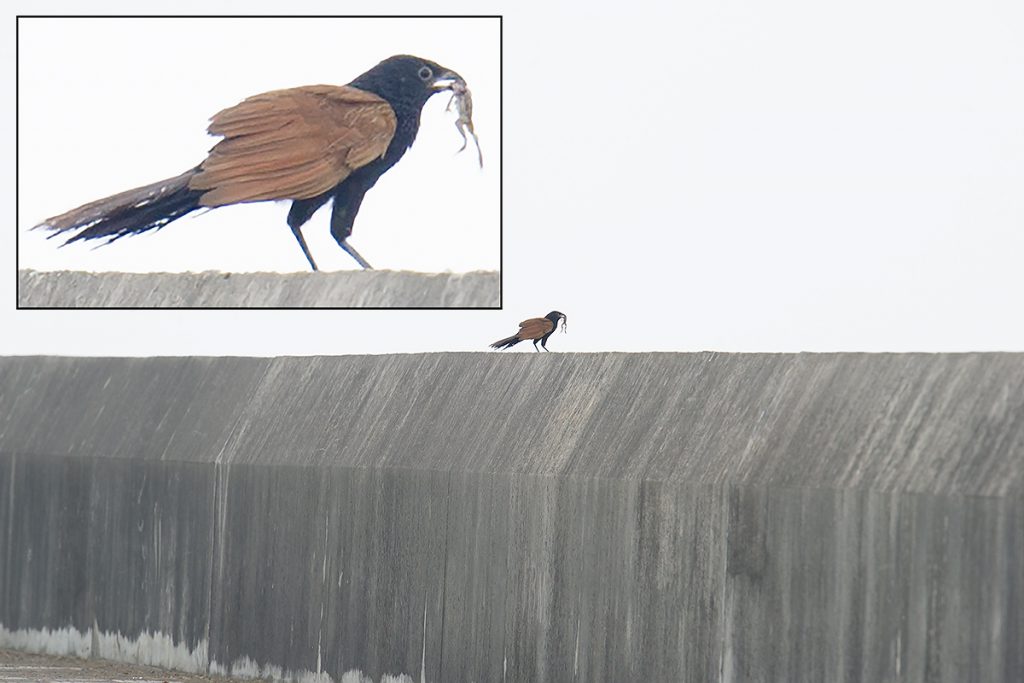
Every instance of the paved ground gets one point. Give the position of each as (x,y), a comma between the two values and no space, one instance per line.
(20,667)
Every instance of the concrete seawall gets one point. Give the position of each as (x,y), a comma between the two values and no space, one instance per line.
(343,289)
(482,517)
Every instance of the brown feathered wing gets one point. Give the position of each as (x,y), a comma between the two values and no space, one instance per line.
(293,144)
(534,328)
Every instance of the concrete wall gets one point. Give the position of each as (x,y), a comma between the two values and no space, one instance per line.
(481,517)
(342,289)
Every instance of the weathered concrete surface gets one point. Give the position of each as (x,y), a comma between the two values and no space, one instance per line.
(477,517)
(343,289)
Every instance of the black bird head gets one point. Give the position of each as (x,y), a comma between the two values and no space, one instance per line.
(555,316)
(407,82)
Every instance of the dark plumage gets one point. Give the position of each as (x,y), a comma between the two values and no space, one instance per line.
(310,144)
(537,329)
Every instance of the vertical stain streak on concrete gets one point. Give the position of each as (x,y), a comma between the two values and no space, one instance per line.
(506,588)
(576,651)
(444,575)
(6,589)
(727,651)
(323,601)
(423,649)
(215,596)
(581,570)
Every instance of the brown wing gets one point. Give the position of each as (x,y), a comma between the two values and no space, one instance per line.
(534,328)
(293,144)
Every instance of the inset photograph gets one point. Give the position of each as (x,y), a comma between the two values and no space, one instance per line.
(259,162)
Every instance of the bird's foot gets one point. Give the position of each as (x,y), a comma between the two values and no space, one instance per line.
(355,254)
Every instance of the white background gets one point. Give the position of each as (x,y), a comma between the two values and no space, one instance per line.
(736,176)
(131,108)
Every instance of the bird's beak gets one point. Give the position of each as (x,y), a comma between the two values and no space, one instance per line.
(449,80)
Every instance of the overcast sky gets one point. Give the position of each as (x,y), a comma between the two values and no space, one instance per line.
(734,176)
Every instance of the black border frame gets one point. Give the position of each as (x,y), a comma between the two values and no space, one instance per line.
(501,166)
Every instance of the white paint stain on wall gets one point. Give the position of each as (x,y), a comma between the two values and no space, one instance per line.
(157,649)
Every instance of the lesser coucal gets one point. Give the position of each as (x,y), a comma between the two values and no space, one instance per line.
(309,144)
(537,329)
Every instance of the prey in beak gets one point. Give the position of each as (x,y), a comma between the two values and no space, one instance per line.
(463,101)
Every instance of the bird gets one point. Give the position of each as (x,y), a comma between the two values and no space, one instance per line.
(310,144)
(537,329)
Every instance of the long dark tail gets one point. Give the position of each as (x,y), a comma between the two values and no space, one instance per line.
(129,213)
(506,342)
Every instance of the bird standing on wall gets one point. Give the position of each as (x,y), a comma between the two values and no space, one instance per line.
(537,329)
(310,144)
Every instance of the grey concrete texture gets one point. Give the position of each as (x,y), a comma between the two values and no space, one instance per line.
(521,517)
(211,289)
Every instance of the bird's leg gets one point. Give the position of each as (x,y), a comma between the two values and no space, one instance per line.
(343,215)
(354,254)
(301,211)
(535,345)
(297,231)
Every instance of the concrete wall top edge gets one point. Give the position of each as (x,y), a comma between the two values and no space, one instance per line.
(341,289)
(939,423)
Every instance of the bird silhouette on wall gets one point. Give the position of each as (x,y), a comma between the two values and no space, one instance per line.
(310,144)
(536,329)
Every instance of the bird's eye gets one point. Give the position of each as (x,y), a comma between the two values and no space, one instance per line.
(425,73)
